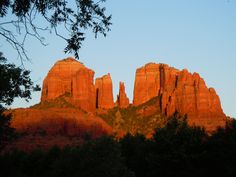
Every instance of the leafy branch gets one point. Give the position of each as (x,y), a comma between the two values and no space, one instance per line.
(75,17)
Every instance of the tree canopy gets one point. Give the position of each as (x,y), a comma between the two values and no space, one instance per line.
(73,16)
(14,82)
(176,150)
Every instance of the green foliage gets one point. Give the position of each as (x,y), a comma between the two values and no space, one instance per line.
(176,146)
(62,101)
(135,150)
(73,16)
(99,158)
(6,132)
(130,120)
(176,150)
(179,135)
(221,151)
(152,101)
(14,82)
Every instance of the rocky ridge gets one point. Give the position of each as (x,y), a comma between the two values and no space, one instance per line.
(104,92)
(179,91)
(159,92)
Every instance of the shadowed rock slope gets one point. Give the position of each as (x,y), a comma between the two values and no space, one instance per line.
(55,122)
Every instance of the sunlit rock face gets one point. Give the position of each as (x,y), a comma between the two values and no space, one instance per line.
(179,91)
(83,89)
(47,127)
(69,76)
(122,99)
(176,90)
(104,92)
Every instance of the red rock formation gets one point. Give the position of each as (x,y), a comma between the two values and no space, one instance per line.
(104,93)
(59,78)
(51,120)
(52,126)
(83,89)
(151,80)
(179,91)
(176,91)
(70,76)
(122,99)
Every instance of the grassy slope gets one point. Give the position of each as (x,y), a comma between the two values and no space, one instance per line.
(63,101)
(134,120)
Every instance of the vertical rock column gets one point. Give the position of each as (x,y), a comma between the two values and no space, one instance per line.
(104,92)
(122,99)
(83,89)
(147,83)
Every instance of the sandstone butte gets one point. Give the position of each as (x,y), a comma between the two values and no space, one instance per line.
(72,77)
(176,90)
(179,91)
(173,89)
(69,76)
(122,99)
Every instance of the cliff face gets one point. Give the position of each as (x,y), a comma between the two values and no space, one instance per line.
(59,79)
(151,80)
(178,91)
(71,77)
(104,92)
(83,89)
(122,99)
(68,76)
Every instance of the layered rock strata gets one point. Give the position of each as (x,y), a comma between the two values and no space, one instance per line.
(68,76)
(104,92)
(178,91)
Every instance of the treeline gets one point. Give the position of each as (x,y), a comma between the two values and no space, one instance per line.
(175,150)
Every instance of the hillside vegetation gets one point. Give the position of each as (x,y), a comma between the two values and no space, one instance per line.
(142,119)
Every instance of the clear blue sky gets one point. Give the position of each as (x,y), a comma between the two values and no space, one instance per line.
(199,35)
